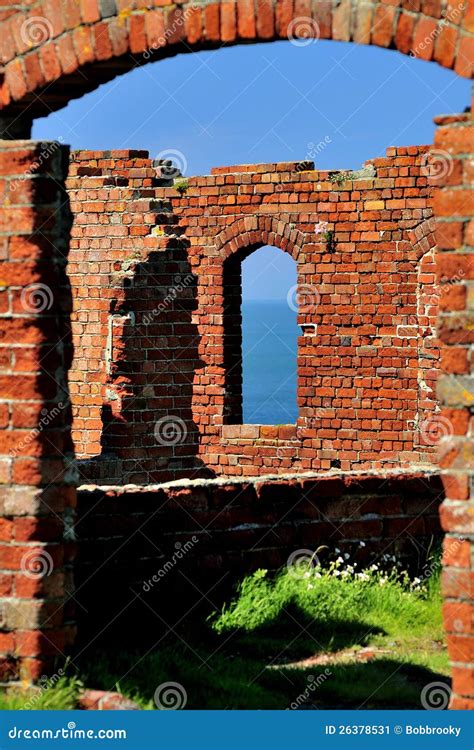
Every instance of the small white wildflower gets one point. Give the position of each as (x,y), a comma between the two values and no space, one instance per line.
(336,573)
(337,550)
(307,574)
(339,560)
(346,556)
(362,544)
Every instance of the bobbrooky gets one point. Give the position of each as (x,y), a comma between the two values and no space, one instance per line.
(425,729)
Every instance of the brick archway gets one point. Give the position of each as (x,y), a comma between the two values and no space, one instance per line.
(58,50)
(260,230)
(233,244)
(422,238)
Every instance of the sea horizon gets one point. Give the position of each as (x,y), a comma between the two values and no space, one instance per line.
(269,346)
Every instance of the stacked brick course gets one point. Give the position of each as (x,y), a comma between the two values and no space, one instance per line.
(112,198)
(36,499)
(156,278)
(454,205)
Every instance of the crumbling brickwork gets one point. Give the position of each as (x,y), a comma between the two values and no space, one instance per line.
(156,278)
(36,497)
(112,199)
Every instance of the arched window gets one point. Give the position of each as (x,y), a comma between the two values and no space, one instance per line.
(261,334)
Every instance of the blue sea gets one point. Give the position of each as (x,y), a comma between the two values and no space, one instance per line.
(269,348)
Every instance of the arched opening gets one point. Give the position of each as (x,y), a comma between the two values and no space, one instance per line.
(73,49)
(269,338)
(335,132)
(260,337)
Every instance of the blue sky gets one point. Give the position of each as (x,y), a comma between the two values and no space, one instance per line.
(269,273)
(263,103)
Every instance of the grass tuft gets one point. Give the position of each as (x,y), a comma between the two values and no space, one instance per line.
(60,695)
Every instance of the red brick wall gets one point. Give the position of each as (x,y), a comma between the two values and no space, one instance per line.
(155,276)
(209,535)
(109,231)
(454,206)
(36,496)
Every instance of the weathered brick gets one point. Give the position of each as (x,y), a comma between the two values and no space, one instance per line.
(34,430)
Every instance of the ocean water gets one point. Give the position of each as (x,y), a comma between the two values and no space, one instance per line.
(269,346)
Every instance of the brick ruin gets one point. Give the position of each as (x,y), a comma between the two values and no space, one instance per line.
(156,279)
(120,306)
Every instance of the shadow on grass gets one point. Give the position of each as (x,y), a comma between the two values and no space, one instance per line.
(294,634)
(239,670)
(291,649)
(232,681)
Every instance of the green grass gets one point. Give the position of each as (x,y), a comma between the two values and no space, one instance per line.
(295,638)
(282,632)
(335,605)
(58,695)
